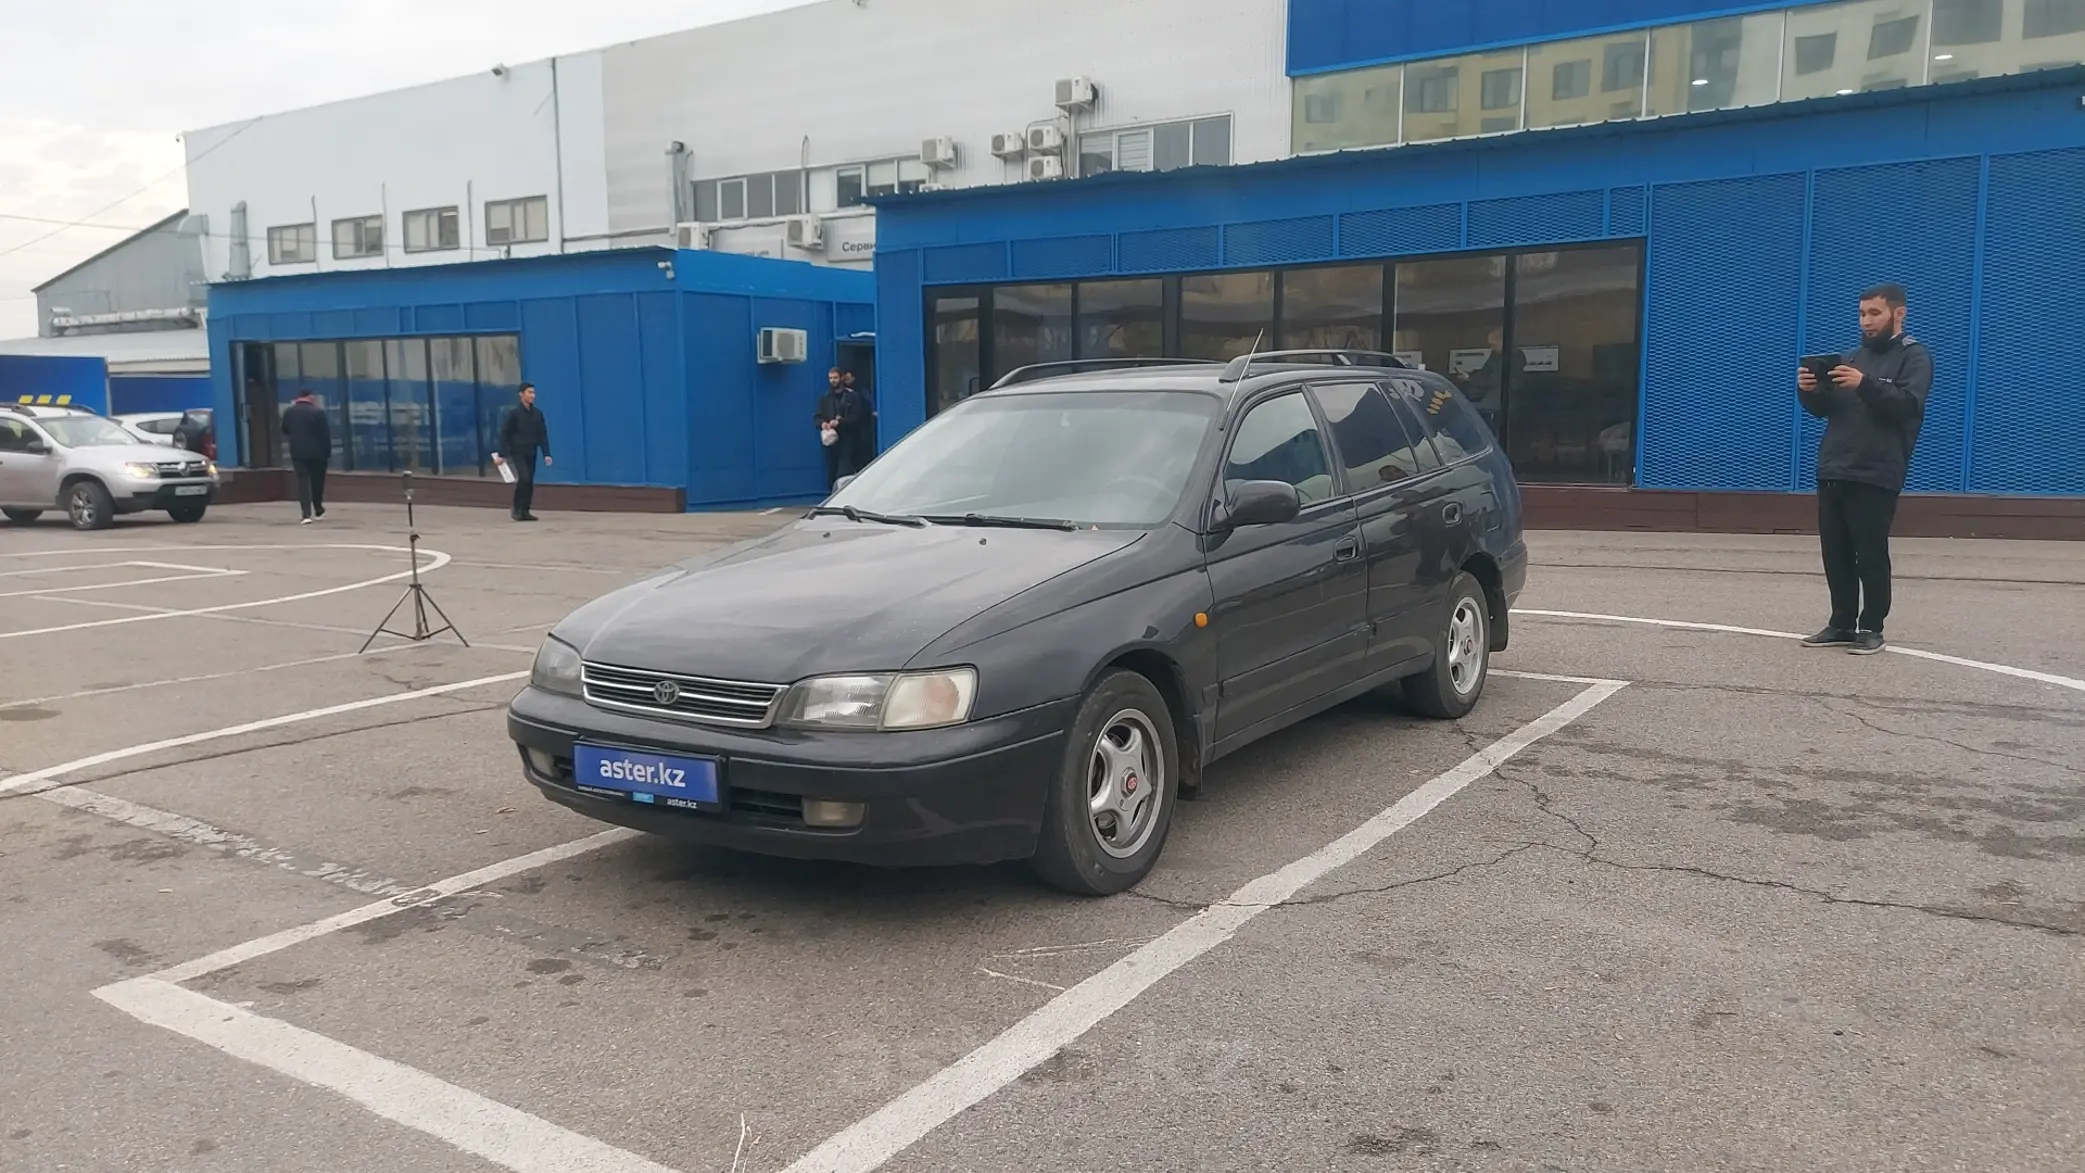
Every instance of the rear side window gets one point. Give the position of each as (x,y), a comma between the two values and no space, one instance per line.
(1457,428)
(1278,441)
(1376,447)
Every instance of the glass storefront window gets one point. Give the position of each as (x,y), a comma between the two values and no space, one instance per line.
(1716,64)
(1571,391)
(455,406)
(1598,79)
(957,365)
(410,406)
(321,376)
(499,387)
(1222,315)
(1336,308)
(1122,319)
(1360,108)
(1461,96)
(289,372)
(1030,324)
(1451,318)
(1848,48)
(369,438)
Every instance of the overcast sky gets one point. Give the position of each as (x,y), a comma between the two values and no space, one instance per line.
(92,92)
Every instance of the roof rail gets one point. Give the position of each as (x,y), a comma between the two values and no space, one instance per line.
(1239,368)
(1044,370)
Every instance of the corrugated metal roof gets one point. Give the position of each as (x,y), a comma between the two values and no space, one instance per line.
(140,352)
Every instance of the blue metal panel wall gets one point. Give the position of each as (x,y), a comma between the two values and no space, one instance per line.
(610,389)
(1065,256)
(665,389)
(550,359)
(901,370)
(41,378)
(1336,34)
(789,463)
(2028,419)
(141,393)
(1542,219)
(720,425)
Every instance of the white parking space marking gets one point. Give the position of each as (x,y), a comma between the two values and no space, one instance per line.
(437,560)
(904,1121)
(37,781)
(188,574)
(2070,682)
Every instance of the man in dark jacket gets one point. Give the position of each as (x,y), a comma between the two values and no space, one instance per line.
(310,438)
(840,416)
(1872,406)
(523,434)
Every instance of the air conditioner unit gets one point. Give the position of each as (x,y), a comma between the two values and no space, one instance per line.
(932,186)
(690,236)
(1046,167)
(805,232)
(938,152)
(1010,146)
(1076,93)
(1045,140)
(778,345)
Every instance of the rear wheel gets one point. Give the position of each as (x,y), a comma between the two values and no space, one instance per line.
(1111,805)
(22,516)
(89,505)
(187,514)
(1461,655)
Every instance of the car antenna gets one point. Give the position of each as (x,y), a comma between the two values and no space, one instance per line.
(1256,339)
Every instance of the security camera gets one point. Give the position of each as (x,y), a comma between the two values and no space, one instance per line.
(499,71)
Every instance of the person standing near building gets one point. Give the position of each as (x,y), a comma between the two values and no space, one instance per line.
(839,418)
(865,435)
(310,438)
(1872,404)
(523,434)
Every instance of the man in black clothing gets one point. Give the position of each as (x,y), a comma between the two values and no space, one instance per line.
(865,434)
(523,434)
(840,416)
(310,438)
(1873,406)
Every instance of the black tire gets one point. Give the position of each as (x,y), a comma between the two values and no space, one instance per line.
(22,516)
(1461,655)
(188,514)
(89,506)
(1071,855)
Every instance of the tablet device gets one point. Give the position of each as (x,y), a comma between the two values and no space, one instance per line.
(1820,366)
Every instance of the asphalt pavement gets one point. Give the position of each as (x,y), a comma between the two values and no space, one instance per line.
(1680,895)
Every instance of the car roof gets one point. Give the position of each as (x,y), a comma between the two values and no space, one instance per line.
(1219,379)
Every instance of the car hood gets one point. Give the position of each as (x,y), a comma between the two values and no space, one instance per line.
(137,453)
(825,595)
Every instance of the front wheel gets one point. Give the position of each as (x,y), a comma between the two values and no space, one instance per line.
(187,514)
(89,506)
(22,516)
(1461,656)
(1111,805)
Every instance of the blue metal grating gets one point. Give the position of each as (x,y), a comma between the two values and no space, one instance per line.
(1396,232)
(960,264)
(1851,249)
(1625,211)
(1543,219)
(1720,328)
(1278,242)
(2028,415)
(1063,256)
(438,319)
(1168,249)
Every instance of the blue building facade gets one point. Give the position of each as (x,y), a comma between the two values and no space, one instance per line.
(645,362)
(1626,300)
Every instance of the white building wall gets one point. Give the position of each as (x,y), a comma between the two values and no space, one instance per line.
(839,82)
(457,143)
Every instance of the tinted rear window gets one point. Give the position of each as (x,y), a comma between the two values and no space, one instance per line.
(1457,428)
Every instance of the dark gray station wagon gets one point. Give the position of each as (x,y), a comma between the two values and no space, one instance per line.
(1026,630)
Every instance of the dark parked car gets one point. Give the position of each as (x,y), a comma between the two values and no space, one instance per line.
(1032,624)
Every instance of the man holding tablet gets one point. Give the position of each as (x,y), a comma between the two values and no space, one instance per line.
(1872,401)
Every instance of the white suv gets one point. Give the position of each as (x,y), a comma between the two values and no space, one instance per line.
(93,468)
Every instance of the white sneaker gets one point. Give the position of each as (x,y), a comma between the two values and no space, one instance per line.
(307,521)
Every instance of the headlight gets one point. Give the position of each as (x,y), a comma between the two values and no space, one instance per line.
(557,668)
(917,700)
(143,472)
(210,467)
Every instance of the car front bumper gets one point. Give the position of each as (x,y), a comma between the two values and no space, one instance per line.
(150,495)
(971,794)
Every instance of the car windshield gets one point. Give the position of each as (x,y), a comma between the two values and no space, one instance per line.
(87,431)
(1115,458)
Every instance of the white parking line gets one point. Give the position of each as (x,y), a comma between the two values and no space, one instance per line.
(111,586)
(518,1141)
(438,559)
(386,649)
(2070,682)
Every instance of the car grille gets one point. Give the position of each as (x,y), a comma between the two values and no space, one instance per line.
(687,698)
(176,469)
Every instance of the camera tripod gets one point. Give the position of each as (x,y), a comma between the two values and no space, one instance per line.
(415,593)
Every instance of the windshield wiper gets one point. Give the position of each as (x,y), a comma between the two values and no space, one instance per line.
(993,522)
(852,514)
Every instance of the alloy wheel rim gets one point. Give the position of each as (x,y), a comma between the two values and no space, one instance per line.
(1466,648)
(82,507)
(1125,784)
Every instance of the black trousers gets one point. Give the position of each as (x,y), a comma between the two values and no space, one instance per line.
(1853,528)
(524,466)
(311,485)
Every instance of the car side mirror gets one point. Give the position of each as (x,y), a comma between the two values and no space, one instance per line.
(1261,503)
(843,482)
(35,446)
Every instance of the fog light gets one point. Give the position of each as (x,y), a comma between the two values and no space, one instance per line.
(819,812)
(542,763)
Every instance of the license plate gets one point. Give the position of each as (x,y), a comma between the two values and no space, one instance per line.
(190,490)
(660,779)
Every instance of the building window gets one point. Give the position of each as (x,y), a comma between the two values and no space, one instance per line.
(428,405)
(1500,89)
(1434,90)
(1611,66)
(1122,319)
(1967,22)
(523,221)
(362,236)
(293,244)
(956,364)
(433,230)
(1226,315)
(1621,66)
(1814,54)
(1571,79)
(1716,64)
(853,186)
(1336,308)
(1892,37)
(1334,111)
(1030,324)
(2053,18)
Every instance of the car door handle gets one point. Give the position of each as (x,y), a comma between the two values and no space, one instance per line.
(1347,551)
(1451,513)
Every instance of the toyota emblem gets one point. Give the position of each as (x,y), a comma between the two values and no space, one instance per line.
(666,692)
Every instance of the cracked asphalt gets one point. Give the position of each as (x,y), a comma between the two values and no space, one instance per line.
(1762,909)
